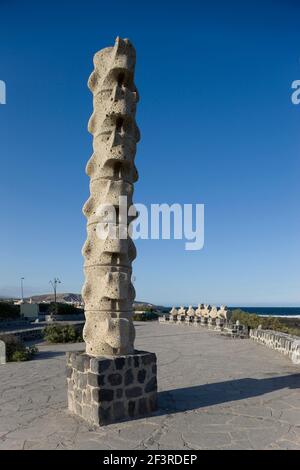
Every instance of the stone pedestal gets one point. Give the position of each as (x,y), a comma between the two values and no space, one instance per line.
(219,324)
(103,390)
(181,319)
(164,319)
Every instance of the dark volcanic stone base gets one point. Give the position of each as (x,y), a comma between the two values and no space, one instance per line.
(104,390)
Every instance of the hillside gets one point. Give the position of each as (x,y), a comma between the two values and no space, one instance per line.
(71,297)
(65,297)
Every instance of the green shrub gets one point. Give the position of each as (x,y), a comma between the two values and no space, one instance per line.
(20,355)
(9,311)
(272,323)
(16,351)
(62,334)
(63,309)
(246,319)
(268,323)
(143,307)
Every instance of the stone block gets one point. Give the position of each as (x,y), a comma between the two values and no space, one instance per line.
(115,379)
(98,367)
(133,392)
(129,378)
(141,376)
(151,386)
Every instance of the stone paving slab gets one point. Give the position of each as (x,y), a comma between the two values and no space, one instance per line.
(215,393)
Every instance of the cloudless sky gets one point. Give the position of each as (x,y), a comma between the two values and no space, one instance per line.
(218,127)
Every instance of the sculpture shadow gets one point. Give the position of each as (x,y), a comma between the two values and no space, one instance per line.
(199,396)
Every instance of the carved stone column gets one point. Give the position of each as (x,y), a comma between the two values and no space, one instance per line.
(111,381)
(108,292)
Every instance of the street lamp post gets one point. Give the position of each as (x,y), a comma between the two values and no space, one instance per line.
(22,289)
(54,286)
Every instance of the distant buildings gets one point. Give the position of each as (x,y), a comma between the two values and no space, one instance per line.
(29,310)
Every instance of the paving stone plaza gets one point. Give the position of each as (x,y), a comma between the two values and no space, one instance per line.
(214,393)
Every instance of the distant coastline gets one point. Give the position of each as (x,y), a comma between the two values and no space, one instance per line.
(287,312)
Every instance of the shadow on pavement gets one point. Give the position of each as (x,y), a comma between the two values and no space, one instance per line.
(190,398)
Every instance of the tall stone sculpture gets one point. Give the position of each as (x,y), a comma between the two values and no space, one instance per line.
(111,381)
(108,292)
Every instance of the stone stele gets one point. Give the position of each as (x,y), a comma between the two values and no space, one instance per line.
(111,381)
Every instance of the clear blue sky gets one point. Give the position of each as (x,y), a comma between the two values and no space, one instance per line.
(218,127)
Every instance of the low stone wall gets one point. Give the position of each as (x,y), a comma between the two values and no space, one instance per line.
(25,335)
(37,332)
(233,330)
(286,344)
(14,324)
(75,317)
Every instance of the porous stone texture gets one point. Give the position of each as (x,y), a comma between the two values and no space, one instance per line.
(285,344)
(108,293)
(190,312)
(2,352)
(103,390)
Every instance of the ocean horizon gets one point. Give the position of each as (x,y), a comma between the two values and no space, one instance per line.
(272,311)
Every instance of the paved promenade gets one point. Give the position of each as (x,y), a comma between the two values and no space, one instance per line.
(215,393)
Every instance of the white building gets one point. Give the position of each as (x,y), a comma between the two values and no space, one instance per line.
(29,310)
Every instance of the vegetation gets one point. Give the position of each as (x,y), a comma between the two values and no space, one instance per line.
(145,316)
(62,334)
(268,323)
(63,309)
(141,307)
(16,351)
(9,311)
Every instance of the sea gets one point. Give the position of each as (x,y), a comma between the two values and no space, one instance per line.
(272,311)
